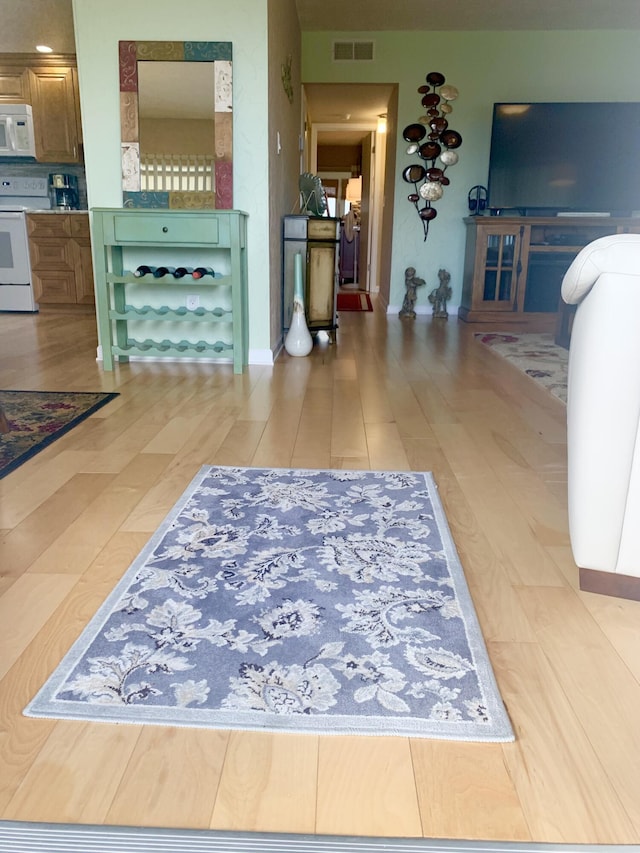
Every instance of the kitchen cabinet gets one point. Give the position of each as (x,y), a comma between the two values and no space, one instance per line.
(61,264)
(54,105)
(167,317)
(50,85)
(14,85)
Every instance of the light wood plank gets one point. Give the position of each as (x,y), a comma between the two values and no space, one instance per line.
(618,618)
(366,786)
(564,790)
(172,776)
(25,607)
(26,494)
(607,713)
(239,444)
(347,433)
(497,605)
(91,530)
(62,784)
(268,783)
(312,448)
(174,435)
(466,784)
(386,450)
(279,436)
(21,547)
(23,737)
(151,510)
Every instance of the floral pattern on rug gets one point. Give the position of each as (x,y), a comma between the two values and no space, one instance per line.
(324,601)
(534,354)
(37,418)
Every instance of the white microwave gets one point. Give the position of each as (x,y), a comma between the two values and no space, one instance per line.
(16,131)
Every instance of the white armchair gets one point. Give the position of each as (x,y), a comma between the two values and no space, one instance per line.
(603,415)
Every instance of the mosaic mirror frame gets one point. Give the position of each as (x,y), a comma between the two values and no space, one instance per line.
(220,55)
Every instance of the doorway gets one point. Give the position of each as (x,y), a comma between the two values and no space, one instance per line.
(348,146)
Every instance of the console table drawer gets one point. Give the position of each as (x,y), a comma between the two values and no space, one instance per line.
(160,229)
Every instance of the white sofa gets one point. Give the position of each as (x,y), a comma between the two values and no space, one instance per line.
(603,415)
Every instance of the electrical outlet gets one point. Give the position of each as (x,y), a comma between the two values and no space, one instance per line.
(193,301)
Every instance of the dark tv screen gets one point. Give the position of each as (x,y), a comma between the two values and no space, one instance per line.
(581,157)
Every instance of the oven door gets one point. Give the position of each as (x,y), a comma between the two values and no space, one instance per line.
(16,293)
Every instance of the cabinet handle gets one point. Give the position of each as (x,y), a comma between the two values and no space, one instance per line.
(164,229)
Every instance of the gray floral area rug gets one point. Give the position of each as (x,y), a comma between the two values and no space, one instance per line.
(327,602)
(535,354)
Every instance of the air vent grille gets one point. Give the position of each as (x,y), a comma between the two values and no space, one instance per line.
(350,51)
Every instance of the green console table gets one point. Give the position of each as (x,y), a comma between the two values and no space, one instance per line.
(167,317)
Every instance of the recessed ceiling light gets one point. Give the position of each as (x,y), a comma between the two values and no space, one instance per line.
(43,48)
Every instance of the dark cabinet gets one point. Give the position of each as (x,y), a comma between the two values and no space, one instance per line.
(316,238)
(514,265)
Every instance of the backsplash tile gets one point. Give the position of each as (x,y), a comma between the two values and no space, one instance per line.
(12,168)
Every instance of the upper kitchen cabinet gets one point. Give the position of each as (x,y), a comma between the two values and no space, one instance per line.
(14,85)
(50,85)
(53,100)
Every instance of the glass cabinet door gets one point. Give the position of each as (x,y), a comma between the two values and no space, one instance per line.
(501,269)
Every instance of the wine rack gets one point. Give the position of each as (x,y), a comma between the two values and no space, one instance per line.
(125,311)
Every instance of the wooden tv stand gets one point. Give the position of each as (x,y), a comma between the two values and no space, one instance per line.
(514,265)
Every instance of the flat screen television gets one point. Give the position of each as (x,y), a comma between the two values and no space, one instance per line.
(565,157)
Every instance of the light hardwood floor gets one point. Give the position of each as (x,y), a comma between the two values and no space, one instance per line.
(391,394)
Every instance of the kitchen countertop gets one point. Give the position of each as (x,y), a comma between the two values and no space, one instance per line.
(53,210)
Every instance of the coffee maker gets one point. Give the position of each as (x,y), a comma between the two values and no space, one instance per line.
(63,191)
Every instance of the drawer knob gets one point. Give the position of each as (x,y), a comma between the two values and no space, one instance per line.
(165,229)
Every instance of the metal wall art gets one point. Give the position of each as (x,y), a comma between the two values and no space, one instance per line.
(433,142)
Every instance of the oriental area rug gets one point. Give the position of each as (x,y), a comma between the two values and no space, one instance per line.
(534,354)
(327,602)
(356,301)
(32,420)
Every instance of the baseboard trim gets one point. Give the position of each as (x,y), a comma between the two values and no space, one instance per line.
(610,583)
(423,310)
(256,356)
(27,837)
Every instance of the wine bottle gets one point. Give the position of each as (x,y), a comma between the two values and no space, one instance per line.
(199,272)
(144,270)
(180,272)
(159,272)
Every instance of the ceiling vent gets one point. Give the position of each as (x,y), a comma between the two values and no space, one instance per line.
(349,51)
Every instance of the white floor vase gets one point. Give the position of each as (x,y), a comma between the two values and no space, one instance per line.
(298,340)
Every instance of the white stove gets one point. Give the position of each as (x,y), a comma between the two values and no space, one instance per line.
(17,195)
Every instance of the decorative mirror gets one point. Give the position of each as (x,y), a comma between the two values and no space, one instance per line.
(176,120)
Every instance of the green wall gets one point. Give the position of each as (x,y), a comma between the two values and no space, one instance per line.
(99,25)
(486,67)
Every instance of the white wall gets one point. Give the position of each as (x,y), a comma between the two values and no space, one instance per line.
(100,25)
(485,67)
